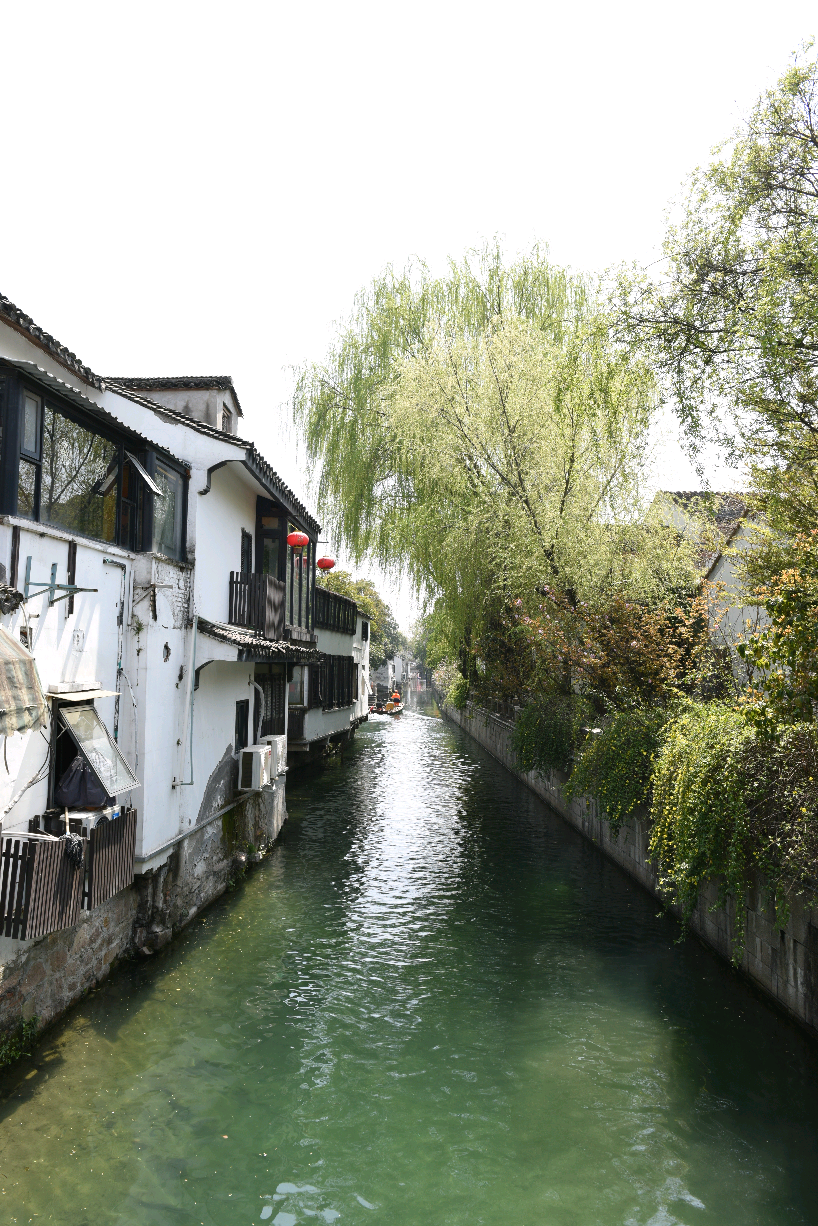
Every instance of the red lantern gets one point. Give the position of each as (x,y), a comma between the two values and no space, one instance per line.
(325,563)
(297,540)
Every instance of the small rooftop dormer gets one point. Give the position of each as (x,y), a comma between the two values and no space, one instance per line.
(210,399)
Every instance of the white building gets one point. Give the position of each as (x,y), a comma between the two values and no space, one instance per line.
(167,616)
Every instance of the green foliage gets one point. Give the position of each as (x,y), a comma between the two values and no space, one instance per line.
(385,637)
(616,765)
(547,732)
(701,829)
(17,1042)
(458,693)
(785,652)
(480,433)
(732,323)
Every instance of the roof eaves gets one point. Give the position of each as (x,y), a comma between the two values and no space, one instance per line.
(223,383)
(18,319)
(270,479)
(253,646)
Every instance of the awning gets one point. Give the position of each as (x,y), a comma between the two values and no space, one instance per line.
(22,704)
(99,749)
(253,647)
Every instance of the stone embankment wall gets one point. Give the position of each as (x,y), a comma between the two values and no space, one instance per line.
(783,964)
(42,978)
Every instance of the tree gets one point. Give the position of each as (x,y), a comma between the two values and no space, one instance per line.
(385,637)
(480,432)
(733,324)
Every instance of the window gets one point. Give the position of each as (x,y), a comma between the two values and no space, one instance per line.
(246,552)
(29,472)
(295,690)
(242,724)
(273,682)
(99,749)
(364,631)
(168,513)
(227,420)
(79,478)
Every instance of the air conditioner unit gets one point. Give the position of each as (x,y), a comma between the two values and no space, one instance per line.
(254,768)
(278,760)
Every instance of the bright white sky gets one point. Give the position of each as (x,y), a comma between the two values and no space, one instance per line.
(200,188)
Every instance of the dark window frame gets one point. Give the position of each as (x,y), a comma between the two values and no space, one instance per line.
(13,390)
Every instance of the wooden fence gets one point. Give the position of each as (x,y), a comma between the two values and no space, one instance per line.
(41,888)
(257,603)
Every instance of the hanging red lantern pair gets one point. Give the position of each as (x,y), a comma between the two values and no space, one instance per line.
(298,540)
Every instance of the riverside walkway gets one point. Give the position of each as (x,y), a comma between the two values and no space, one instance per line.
(433,1003)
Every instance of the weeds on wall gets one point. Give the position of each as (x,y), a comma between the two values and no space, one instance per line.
(17,1042)
(547,732)
(616,765)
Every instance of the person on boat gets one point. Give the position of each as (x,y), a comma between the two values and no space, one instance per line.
(396,697)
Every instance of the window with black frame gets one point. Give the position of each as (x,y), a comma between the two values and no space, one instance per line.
(72,475)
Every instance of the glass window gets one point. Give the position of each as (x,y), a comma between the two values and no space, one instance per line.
(227,420)
(31,425)
(27,489)
(131,511)
(99,749)
(167,513)
(80,477)
(269,556)
(295,690)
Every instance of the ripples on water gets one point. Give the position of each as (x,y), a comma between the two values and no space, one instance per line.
(433,1003)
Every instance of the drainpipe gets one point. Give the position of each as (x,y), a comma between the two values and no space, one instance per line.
(186,783)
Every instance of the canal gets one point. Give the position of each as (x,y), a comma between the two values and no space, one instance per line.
(432,1003)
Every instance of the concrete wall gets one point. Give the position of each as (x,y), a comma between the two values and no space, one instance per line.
(782,964)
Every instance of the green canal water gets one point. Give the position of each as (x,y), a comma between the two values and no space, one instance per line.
(433,1003)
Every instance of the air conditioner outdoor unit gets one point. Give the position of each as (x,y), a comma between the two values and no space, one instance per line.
(278,760)
(254,768)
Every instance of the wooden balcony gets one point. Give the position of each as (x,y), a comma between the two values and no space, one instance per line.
(257,603)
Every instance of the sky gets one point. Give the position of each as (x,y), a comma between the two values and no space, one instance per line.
(193,188)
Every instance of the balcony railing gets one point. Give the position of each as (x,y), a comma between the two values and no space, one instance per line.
(257,602)
(334,612)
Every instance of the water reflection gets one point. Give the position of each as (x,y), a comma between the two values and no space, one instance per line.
(433,1003)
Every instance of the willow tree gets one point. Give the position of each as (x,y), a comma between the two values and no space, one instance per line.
(479,432)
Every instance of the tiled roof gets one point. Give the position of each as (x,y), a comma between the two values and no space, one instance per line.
(724,509)
(130,387)
(224,383)
(252,646)
(24,323)
(255,461)
(269,477)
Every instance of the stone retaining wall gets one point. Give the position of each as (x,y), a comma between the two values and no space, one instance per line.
(783,964)
(42,978)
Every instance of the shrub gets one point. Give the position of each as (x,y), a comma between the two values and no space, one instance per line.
(458,694)
(548,731)
(616,766)
(701,825)
(18,1041)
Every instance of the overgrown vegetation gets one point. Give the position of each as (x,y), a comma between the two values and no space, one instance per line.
(486,433)
(19,1041)
(616,764)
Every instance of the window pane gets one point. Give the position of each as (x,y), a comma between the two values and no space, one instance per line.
(80,476)
(102,754)
(295,690)
(26,487)
(31,425)
(269,563)
(167,513)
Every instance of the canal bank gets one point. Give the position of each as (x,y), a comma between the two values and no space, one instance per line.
(782,963)
(433,1001)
